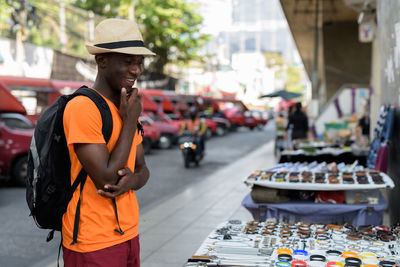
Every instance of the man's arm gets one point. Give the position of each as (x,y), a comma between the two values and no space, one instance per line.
(129,180)
(102,165)
(141,174)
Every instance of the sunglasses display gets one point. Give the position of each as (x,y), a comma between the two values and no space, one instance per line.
(314,176)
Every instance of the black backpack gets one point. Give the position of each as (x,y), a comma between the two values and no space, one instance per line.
(48,183)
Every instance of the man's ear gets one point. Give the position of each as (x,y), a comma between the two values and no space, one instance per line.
(101,60)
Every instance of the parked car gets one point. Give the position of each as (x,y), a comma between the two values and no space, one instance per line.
(260,117)
(151,135)
(249,120)
(166,105)
(222,124)
(235,117)
(178,102)
(210,110)
(168,132)
(16,132)
(237,113)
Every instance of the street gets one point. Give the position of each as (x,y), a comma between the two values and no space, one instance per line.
(23,244)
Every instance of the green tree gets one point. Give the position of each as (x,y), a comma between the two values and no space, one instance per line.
(274,59)
(294,79)
(170,28)
(105,8)
(5,15)
(284,70)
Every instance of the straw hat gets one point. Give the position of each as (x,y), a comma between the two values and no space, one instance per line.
(118,36)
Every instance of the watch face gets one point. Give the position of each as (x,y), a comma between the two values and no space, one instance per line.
(348,180)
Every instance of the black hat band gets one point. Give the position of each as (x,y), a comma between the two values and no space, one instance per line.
(121,44)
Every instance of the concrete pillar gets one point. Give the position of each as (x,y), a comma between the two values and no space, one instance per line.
(388,18)
(376,98)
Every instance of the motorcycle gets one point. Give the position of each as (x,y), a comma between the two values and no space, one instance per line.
(189,148)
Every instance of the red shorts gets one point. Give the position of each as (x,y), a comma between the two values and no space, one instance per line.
(126,254)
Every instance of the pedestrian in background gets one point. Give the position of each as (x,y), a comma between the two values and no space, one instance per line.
(298,124)
(289,130)
(108,233)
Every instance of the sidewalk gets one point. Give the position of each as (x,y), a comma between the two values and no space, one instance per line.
(172,231)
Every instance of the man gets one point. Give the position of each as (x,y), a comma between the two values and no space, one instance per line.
(195,124)
(298,123)
(107,234)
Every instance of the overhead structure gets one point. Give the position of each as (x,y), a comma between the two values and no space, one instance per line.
(326,33)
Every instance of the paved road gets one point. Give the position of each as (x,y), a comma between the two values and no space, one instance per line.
(23,244)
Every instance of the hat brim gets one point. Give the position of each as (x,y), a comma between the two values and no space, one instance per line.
(94,50)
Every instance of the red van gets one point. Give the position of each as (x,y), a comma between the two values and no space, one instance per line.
(166,105)
(237,113)
(151,133)
(168,131)
(16,131)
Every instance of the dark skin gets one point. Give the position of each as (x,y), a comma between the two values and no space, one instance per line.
(115,78)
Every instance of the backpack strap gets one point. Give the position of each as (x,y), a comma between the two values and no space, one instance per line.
(104,111)
(78,208)
(103,107)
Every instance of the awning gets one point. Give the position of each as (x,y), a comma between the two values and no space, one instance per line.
(8,102)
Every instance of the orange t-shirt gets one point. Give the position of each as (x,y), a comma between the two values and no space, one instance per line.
(82,124)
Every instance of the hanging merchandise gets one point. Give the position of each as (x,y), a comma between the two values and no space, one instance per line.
(382,135)
(382,158)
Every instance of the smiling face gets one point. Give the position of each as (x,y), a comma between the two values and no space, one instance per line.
(121,70)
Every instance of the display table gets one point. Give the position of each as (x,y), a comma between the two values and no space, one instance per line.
(297,244)
(356,214)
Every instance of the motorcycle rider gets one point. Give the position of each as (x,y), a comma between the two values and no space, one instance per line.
(195,124)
